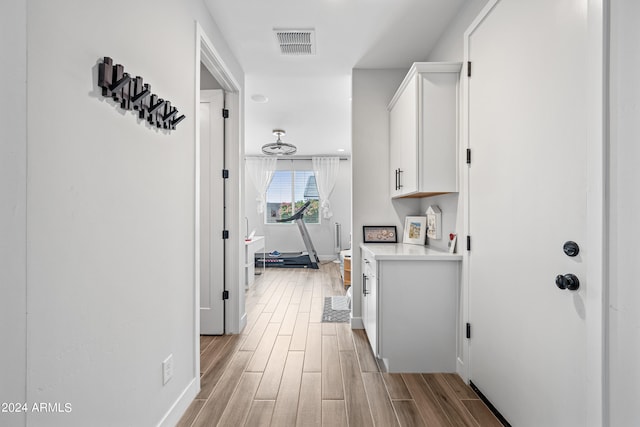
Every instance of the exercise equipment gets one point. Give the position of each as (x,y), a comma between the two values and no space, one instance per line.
(307,259)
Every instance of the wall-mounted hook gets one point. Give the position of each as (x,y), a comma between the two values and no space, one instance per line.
(121,82)
(176,121)
(170,115)
(154,107)
(138,98)
(134,93)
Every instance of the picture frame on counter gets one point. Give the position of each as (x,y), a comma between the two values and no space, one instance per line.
(379,234)
(415,230)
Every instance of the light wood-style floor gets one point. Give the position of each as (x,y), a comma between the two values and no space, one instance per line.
(289,369)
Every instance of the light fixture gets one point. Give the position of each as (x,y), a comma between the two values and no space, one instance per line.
(279,147)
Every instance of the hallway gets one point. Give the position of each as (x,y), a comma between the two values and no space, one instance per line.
(287,368)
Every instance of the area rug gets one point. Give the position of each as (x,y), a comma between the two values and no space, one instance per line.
(341,314)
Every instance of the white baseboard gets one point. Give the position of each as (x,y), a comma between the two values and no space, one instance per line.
(356,323)
(324,258)
(243,322)
(180,406)
(460,369)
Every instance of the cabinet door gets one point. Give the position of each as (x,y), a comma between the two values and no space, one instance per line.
(395,129)
(371,324)
(370,298)
(403,136)
(438,120)
(363,284)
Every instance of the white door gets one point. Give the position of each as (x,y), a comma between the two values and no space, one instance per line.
(527,196)
(211,212)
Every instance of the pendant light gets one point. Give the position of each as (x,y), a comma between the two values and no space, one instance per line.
(279,147)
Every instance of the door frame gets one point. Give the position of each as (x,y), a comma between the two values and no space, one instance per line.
(596,248)
(206,54)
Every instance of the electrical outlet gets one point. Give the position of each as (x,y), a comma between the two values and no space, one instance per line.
(167,369)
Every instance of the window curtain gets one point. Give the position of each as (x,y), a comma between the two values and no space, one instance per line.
(326,171)
(261,171)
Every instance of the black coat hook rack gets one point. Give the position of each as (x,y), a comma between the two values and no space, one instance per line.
(134,94)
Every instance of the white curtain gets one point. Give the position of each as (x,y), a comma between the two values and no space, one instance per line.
(326,171)
(261,171)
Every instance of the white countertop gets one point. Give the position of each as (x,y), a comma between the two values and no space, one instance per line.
(407,252)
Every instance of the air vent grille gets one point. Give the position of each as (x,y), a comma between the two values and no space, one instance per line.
(296,42)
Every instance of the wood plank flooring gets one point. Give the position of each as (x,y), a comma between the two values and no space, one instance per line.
(289,369)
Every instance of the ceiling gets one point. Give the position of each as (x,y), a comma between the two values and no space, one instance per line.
(309,96)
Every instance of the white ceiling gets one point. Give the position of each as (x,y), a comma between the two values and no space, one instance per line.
(310,96)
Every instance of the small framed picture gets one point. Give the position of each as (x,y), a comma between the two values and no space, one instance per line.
(379,234)
(415,230)
(452,243)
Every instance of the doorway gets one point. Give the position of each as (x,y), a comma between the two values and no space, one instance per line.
(234,317)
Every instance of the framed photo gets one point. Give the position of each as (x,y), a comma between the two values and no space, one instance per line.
(379,234)
(415,230)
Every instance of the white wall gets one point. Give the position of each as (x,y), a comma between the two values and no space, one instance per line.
(624,316)
(372,205)
(450,47)
(207,81)
(13,171)
(110,212)
(286,237)
(448,204)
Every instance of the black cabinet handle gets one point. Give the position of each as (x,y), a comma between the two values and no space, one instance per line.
(396,179)
(399,179)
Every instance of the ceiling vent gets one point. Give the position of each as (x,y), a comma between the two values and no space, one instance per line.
(296,42)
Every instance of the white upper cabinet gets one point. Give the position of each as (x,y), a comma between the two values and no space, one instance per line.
(423,129)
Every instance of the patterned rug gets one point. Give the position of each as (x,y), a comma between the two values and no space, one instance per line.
(336,309)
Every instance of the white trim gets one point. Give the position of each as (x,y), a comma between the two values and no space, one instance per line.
(357,323)
(196,230)
(209,56)
(597,236)
(464,364)
(423,67)
(179,407)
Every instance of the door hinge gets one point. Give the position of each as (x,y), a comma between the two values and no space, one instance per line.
(225,173)
(225,234)
(468,156)
(468,68)
(468,330)
(225,294)
(225,113)
(468,243)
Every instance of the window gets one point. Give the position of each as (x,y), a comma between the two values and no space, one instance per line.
(288,191)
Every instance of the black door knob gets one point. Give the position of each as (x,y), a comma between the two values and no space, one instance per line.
(568,281)
(571,248)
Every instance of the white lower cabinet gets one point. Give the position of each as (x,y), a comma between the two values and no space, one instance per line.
(409,307)
(370,300)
